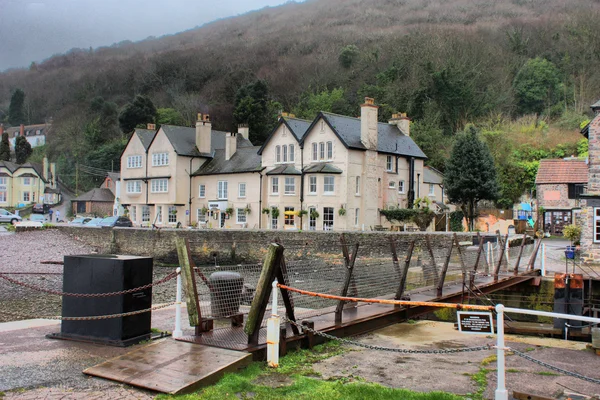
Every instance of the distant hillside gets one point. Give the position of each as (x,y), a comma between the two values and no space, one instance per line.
(295,48)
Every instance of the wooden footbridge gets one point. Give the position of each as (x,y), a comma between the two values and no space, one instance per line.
(189,362)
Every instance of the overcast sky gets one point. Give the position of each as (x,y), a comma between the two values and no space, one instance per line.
(32,30)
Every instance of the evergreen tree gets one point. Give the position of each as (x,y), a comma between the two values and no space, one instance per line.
(16,113)
(4,148)
(470,173)
(252,108)
(139,112)
(536,86)
(22,149)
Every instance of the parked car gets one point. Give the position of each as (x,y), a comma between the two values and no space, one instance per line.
(6,216)
(117,221)
(40,208)
(35,221)
(80,221)
(94,222)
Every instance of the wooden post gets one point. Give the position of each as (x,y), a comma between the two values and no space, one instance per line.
(440,286)
(310,337)
(402,285)
(436,275)
(523,240)
(531,265)
(460,257)
(501,245)
(349,269)
(188,281)
(474,273)
(263,291)
(288,302)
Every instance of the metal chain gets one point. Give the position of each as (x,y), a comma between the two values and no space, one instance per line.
(392,349)
(59,293)
(90,318)
(552,367)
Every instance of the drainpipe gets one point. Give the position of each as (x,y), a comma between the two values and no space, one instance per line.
(146,178)
(418,185)
(260,200)
(411,182)
(190,198)
(301,183)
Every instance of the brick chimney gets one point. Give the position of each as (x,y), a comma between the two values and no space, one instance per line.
(203,133)
(402,122)
(230,145)
(244,130)
(368,123)
(1,129)
(22,130)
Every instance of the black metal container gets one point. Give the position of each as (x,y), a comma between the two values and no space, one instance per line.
(88,274)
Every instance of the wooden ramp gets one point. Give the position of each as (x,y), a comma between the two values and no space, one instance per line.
(171,366)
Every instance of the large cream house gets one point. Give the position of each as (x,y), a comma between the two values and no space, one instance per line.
(24,184)
(332,173)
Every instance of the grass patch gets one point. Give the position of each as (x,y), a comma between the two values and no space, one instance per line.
(247,384)
(512,370)
(547,373)
(529,349)
(488,360)
(480,379)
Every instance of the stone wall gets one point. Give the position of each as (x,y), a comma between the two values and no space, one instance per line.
(248,246)
(591,250)
(555,196)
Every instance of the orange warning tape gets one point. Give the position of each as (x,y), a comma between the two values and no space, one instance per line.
(394,302)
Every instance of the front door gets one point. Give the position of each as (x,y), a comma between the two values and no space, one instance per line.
(222,219)
(555,221)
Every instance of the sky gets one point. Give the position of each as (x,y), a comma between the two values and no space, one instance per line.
(33,30)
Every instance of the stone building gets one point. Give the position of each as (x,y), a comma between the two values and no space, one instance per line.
(559,186)
(590,205)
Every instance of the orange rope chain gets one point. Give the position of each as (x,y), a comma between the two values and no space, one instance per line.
(385,301)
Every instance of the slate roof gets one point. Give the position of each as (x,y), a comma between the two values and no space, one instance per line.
(13,167)
(30,130)
(183,140)
(114,176)
(432,175)
(595,106)
(297,126)
(562,171)
(97,194)
(245,159)
(284,170)
(146,136)
(322,168)
(390,139)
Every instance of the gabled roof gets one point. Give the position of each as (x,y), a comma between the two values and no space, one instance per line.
(432,175)
(97,194)
(183,140)
(30,130)
(322,168)
(390,139)
(245,159)
(297,126)
(14,167)
(288,169)
(114,176)
(562,171)
(595,106)
(146,136)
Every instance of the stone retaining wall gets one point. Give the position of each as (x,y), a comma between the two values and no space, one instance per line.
(249,246)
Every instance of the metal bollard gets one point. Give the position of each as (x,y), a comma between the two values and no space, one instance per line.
(273,332)
(177,333)
(501,392)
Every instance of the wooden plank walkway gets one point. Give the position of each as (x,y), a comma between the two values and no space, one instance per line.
(170,366)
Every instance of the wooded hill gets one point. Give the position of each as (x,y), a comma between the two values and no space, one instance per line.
(445,63)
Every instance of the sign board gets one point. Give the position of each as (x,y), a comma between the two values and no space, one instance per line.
(477,322)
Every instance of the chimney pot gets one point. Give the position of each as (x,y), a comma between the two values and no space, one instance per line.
(206,117)
(369,100)
(292,115)
(151,126)
(203,134)
(199,117)
(1,129)
(22,130)
(368,124)
(285,114)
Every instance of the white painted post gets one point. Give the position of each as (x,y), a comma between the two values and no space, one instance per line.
(273,332)
(177,333)
(501,392)
(489,258)
(507,254)
(543,259)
